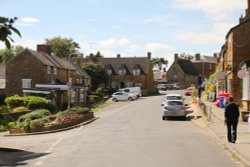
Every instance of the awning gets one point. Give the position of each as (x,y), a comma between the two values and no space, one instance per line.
(36,91)
(53,86)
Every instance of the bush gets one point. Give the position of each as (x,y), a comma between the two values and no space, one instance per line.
(31,102)
(15,101)
(21,108)
(4,109)
(78,110)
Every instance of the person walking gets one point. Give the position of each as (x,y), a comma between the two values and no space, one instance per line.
(231,120)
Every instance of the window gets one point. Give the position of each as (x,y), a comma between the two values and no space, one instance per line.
(26,83)
(113,85)
(136,71)
(122,71)
(73,96)
(55,70)
(81,95)
(129,84)
(138,84)
(80,81)
(49,69)
(108,71)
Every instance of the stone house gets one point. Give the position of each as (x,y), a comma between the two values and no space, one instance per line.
(182,71)
(127,71)
(233,55)
(39,72)
(205,65)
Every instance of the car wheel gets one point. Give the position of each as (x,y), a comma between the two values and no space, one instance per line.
(130,99)
(163,118)
(114,99)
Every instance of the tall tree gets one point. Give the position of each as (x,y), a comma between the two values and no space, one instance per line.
(96,72)
(159,62)
(7,54)
(6,30)
(64,47)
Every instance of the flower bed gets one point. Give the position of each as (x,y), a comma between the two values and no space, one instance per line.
(68,121)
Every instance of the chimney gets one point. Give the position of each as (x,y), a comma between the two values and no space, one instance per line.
(197,56)
(175,56)
(118,56)
(149,55)
(215,55)
(44,48)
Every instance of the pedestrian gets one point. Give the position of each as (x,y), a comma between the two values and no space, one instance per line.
(231,120)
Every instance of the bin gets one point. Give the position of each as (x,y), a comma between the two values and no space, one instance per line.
(222,101)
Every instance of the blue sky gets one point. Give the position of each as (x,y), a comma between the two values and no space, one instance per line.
(127,27)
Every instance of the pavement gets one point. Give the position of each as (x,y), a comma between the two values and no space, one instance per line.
(207,115)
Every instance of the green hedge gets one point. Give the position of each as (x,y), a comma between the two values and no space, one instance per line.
(31,102)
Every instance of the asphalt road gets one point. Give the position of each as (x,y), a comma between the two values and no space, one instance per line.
(127,134)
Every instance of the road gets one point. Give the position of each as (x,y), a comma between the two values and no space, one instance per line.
(127,134)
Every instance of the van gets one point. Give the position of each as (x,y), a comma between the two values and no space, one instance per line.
(134,90)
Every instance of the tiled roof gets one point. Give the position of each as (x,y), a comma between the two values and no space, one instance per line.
(50,60)
(129,62)
(187,66)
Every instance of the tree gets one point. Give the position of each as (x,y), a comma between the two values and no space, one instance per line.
(6,30)
(98,54)
(159,62)
(7,54)
(63,47)
(186,56)
(96,72)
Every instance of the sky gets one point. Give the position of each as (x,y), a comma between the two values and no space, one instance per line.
(127,27)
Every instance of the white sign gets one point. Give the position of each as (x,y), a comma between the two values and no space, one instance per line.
(220,75)
(242,73)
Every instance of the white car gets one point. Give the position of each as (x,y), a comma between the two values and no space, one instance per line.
(172,96)
(118,96)
(174,108)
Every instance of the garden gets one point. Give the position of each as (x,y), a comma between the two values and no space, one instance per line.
(30,114)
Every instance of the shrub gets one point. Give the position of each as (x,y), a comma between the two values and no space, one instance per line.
(78,110)
(21,108)
(15,101)
(4,109)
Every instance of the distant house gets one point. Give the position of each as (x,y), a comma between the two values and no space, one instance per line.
(234,57)
(182,71)
(38,72)
(205,65)
(127,71)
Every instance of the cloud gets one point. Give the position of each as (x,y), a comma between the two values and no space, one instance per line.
(216,10)
(215,36)
(112,42)
(28,21)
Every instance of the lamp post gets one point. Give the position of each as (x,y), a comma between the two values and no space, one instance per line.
(69,84)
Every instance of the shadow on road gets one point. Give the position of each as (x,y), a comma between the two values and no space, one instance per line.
(15,157)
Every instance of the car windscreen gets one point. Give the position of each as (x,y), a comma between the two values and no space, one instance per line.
(174,103)
(173,97)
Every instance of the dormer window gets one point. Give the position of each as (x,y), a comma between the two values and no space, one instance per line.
(122,71)
(108,71)
(136,71)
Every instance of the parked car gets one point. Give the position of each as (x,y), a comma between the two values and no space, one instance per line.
(161,87)
(133,90)
(174,108)
(172,96)
(118,96)
(175,86)
(189,91)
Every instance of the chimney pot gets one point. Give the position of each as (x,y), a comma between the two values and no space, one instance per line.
(149,55)
(197,56)
(44,48)
(118,56)
(175,56)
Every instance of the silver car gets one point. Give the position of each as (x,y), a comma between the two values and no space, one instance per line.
(118,96)
(172,96)
(174,108)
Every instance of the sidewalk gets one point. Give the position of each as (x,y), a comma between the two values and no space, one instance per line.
(213,120)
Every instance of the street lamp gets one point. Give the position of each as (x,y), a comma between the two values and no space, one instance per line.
(69,83)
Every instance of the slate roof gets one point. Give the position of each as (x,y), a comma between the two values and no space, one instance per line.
(207,59)
(129,62)
(187,66)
